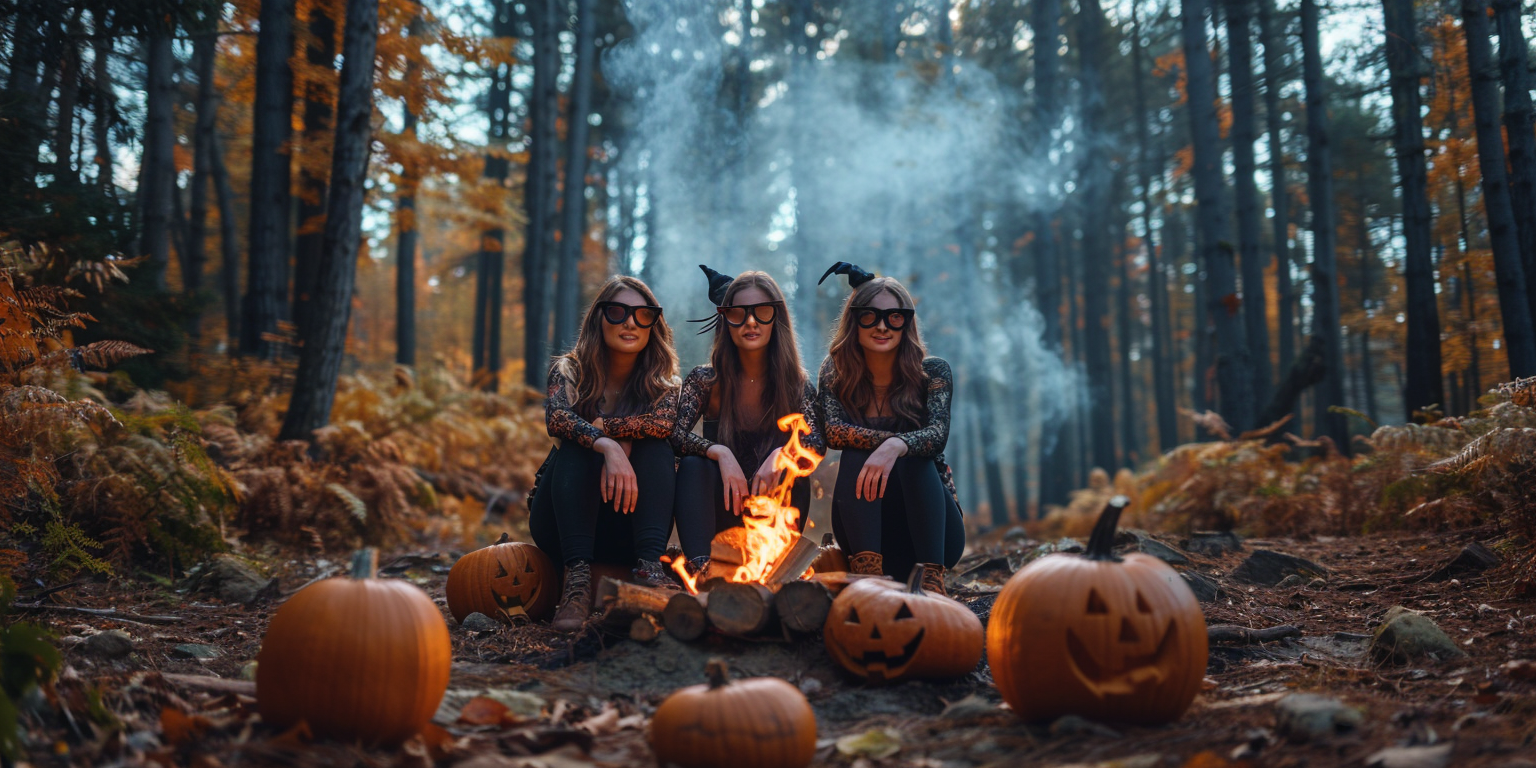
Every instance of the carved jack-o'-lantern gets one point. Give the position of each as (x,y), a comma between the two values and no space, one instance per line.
(1098,636)
(505,580)
(882,630)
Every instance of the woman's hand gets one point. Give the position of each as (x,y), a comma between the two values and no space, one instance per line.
(877,470)
(618,479)
(731,477)
(767,477)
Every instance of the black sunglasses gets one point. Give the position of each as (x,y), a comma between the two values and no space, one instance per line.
(645,315)
(736,315)
(894,319)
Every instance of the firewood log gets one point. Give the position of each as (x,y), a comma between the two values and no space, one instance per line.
(803,605)
(685,616)
(740,608)
(624,597)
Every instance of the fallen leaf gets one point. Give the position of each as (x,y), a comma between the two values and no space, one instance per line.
(1207,759)
(635,721)
(878,743)
(439,742)
(602,723)
(177,727)
(1520,669)
(482,711)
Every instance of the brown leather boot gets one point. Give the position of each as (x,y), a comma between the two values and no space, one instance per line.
(652,573)
(933,578)
(867,563)
(576,602)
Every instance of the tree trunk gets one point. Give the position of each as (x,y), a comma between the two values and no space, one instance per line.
(992,468)
(1234,372)
(159,164)
(69,97)
(1509,271)
(204,49)
(1518,130)
(103,104)
(27,96)
(1474,369)
(1157,284)
(491,259)
(229,245)
(1280,198)
(321,54)
(1423,386)
(405,225)
(1055,455)
(1127,417)
(314,386)
(272,126)
(1325,290)
(1094,175)
(538,247)
(568,285)
(1250,257)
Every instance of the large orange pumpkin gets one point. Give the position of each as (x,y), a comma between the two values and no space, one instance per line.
(1098,636)
(506,579)
(356,658)
(760,722)
(883,630)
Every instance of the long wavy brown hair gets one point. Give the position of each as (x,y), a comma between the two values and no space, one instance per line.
(786,378)
(586,365)
(851,383)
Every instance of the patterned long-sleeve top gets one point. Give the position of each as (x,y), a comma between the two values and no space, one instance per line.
(564,423)
(927,441)
(693,401)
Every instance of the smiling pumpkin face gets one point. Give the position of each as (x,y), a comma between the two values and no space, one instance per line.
(1110,639)
(882,630)
(505,580)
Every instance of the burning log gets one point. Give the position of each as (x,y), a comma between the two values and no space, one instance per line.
(837,581)
(803,605)
(685,617)
(792,563)
(730,546)
(625,598)
(740,608)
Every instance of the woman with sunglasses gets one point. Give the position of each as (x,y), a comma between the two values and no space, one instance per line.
(886,406)
(753,379)
(605,492)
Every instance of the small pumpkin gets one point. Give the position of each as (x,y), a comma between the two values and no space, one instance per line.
(759,722)
(1099,636)
(832,559)
(883,630)
(506,579)
(359,659)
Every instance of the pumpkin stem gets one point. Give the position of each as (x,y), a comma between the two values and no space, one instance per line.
(504,538)
(365,563)
(1102,541)
(915,580)
(719,674)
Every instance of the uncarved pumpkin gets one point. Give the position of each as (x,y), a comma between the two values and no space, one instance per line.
(1098,636)
(505,580)
(760,722)
(883,630)
(358,659)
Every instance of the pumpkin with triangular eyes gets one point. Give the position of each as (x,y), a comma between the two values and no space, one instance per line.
(1098,636)
(883,630)
(504,580)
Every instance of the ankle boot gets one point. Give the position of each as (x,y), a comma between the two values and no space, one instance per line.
(933,578)
(698,566)
(867,563)
(652,573)
(576,602)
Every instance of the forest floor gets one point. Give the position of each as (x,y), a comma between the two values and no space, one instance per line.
(587,701)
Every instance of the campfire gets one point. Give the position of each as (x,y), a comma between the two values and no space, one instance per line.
(758,571)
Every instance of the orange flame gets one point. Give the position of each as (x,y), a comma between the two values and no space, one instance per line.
(770,520)
(680,567)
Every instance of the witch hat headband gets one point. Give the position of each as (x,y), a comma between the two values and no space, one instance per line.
(857,276)
(718,285)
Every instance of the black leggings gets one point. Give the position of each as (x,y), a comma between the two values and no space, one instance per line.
(917,521)
(700,507)
(570,522)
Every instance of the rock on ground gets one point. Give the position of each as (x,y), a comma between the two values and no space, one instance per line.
(1267,569)
(1405,636)
(112,644)
(1303,717)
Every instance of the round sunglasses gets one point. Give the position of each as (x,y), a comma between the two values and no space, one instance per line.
(736,315)
(894,319)
(645,315)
